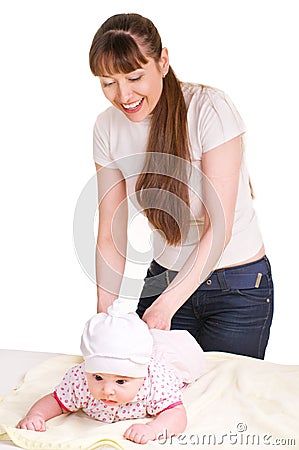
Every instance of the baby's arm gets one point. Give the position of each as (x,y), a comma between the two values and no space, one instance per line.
(169,422)
(43,410)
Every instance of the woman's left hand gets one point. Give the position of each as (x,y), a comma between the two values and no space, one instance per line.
(157,317)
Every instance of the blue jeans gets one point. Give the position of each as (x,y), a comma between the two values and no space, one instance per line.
(230,312)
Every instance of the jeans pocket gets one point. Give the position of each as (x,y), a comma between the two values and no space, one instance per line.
(154,285)
(260,295)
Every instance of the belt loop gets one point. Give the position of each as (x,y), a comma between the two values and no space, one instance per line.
(220,273)
(167,277)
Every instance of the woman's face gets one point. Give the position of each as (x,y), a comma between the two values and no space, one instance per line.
(137,93)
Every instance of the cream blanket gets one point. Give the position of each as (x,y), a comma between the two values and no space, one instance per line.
(239,402)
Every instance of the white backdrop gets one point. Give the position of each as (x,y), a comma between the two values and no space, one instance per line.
(49,102)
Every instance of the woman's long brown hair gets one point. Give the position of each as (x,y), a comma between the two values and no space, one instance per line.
(121,45)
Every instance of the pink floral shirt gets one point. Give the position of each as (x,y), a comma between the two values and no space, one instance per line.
(160,390)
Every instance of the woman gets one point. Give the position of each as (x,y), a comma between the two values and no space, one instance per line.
(175,149)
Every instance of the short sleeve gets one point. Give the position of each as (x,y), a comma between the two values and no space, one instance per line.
(165,391)
(69,392)
(101,141)
(219,120)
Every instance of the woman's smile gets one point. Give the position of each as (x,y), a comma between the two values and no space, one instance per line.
(133,107)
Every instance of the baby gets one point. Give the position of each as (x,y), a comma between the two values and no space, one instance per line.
(129,372)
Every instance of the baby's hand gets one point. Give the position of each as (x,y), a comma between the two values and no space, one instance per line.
(34,422)
(140,433)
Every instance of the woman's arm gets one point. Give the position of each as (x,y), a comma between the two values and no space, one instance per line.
(44,409)
(221,168)
(166,424)
(112,235)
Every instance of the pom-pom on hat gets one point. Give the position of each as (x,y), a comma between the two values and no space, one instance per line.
(118,342)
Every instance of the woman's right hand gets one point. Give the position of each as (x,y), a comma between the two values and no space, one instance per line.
(34,422)
(112,235)
(104,301)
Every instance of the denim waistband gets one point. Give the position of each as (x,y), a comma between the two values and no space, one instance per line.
(245,276)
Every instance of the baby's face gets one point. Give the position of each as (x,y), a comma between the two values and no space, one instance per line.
(113,389)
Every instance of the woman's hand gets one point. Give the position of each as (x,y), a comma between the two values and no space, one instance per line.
(35,422)
(157,316)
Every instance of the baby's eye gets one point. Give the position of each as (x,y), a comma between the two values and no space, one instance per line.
(120,381)
(98,377)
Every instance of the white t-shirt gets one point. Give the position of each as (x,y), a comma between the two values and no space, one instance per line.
(212,120)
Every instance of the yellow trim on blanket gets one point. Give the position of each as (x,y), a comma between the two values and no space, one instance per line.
(20,439)
(104,442)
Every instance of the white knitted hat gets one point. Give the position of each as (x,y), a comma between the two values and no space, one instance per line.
(118,342)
